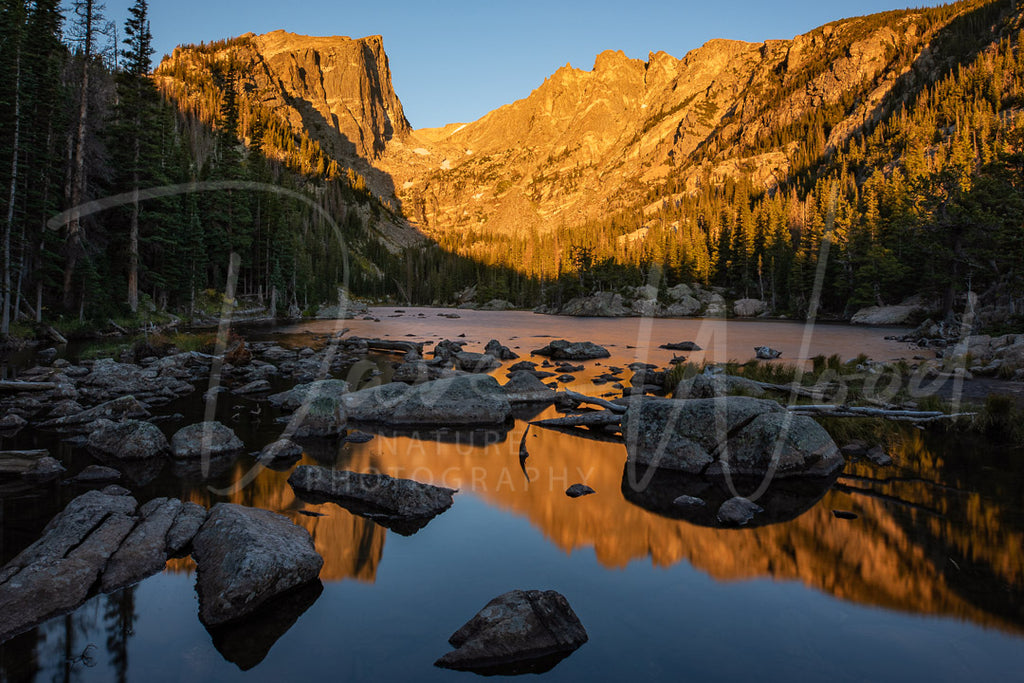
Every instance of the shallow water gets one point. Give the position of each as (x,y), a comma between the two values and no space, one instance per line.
(927,583)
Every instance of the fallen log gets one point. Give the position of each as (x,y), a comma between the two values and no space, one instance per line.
(26,386)
(388,345)
(884,413)
(581,398)
(596,421)
(19,462)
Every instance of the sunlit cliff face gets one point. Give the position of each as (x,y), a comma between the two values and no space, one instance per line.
(916,545)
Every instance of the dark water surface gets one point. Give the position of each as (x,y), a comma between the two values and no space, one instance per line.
(926,584)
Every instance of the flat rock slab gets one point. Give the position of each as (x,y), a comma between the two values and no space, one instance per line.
(403,505)
(565,350)
(144,552)
(518,632)
(55,574)
(125,407)
(245,557)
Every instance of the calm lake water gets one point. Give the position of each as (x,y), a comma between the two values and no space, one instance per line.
(926,584)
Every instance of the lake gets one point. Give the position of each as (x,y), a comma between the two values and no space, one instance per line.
(927,583)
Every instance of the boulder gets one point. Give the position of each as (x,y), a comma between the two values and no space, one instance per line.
(476,362)
(280,450)
(258,386)
(43,470)
(97,475)
(747,435)
(766,353)
(12,422)
(713,385)
(681,346)
(126,407)
(601,305)
(748,308)
(524,387)
(683,307)
(403,505)
(901,314)
(302,393)
(499,351)
(738,512)
(461,401)
(566,350)
(246,556)
(324,417)
(128,440)
(579,490)
(205,439)
(679,292)
(518,632)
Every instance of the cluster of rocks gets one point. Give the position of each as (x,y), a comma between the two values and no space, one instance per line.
(680,301)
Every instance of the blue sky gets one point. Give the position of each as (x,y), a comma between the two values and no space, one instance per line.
(453,61)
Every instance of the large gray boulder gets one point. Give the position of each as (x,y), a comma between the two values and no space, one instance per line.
(601,305)
(246,556)
(684,307)
(518,632)
(129,440)
(748,308)
(476,362)
(524,387)
(462,401)
(711,386)
(303,393)
(901,314)
(324,417)
(745,435)
(561,349)
(402,505)
(205,439)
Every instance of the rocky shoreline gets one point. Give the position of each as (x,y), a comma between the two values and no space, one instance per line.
(684,435)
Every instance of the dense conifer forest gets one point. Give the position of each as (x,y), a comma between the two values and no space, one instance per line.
(929,199)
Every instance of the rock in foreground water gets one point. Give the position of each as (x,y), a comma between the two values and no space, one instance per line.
(565,350)
(246,556)
(518,632)
(128,440)
(403,505)
(205,438)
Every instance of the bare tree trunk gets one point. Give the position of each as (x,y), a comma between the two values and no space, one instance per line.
(5,324)
(78,164)
(133,238)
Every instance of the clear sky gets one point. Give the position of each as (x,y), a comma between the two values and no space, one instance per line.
(456,60)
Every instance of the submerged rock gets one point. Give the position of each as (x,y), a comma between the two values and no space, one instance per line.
(129,440)
(403,505)
(766,353)
(738,511)
(280,450)
(246,556)
(579,490)
(518,632)
(205,439)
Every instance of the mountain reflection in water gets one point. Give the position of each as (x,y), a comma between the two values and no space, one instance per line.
(930,537)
